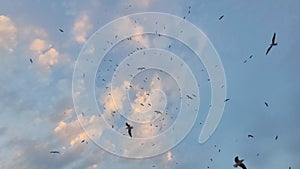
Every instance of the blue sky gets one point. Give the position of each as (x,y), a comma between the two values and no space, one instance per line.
(37,112)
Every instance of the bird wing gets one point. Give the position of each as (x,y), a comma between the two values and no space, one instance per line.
(273,38)
(268,50)
(236,159)
(129,132)
(243,166)
(127,125)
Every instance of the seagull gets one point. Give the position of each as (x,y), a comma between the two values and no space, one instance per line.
(221,17)
(54,152)
(61,30)
(272,44)
(239,163)
(129,128)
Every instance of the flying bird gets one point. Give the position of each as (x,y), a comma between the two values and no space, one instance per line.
(250,136)
(82,141)
(226,100)
(239,163)
(221,17)
(141,68)
(189,97)
(158,112)
(61,30)
(54,152)
(276,137)
(266,104)
(129,128)
(272,44)
(30,60)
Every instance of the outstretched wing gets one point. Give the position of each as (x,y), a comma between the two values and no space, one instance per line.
(129,132)
(243,166)
(127,125)
(273,39)
(236,159)
(268,50)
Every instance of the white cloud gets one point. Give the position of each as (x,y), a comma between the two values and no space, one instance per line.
(8,33)
(82,28)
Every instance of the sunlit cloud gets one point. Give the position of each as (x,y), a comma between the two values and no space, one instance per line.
(82,28)
(8,33)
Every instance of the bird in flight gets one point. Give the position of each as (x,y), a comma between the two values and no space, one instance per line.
(226,100)
(221,17)
(266,104)
(141,68)
(189,97)
(239,163)
(30,60)
(272,44)
(61,30)
(129,128)
(158,112)
(250,136)
(54,152)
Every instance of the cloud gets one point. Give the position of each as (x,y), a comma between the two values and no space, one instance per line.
(82,28)
(8,33)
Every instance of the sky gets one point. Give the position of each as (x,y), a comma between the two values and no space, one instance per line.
(45,103)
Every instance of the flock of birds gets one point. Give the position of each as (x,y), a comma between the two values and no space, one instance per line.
(237,162)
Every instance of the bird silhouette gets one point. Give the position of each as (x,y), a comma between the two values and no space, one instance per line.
(189,97)
(250,136)
(221,17)
(61,30)
(158,112)
(239,163)
(272,44)
(54,152)
(129,128)
(141,68)
(30,60)
(267,105)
